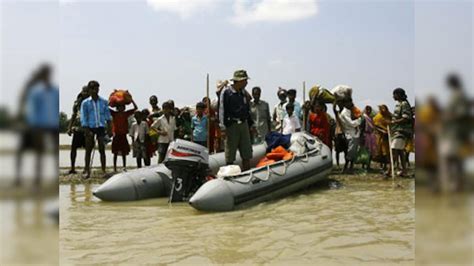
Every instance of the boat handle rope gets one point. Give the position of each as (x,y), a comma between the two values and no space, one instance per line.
(270,170)
(251,177)
(285,167)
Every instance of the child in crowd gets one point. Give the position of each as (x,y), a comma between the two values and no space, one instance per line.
(199,125)
(296,105)
(139,132)
(120,145)
(150,140)
(165,126)
(291,123)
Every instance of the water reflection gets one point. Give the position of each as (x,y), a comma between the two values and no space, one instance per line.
(29,230)
(80,193)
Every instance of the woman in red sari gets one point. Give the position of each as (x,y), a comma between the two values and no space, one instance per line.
(319,124)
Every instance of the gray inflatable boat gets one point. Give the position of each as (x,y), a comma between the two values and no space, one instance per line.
(268,182)
(156,181)
(229,192)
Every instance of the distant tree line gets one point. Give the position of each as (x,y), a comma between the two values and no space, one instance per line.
(63,122)
(7,119)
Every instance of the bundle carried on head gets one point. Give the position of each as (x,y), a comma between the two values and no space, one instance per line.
(342,92)
(120,97)
(323,95)
(320,94)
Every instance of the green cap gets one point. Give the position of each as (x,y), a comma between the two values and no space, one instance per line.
(240,75)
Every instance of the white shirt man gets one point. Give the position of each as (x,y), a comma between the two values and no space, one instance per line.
(169,126)
(350,127)
(291,124)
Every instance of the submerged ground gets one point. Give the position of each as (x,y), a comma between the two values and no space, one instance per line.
(364,219)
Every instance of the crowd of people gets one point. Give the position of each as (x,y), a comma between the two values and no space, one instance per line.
(237,119)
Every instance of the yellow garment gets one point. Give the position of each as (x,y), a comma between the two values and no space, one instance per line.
(381,121)
(427,119)
(383,147)
(427,115)
(410,146)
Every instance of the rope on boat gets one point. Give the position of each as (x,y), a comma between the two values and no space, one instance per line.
(279,174)
(271,171)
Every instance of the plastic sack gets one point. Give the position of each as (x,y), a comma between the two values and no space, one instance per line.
(363,156)
(119,97)
(322,95)
(229,170)
(153,134)
(298,145)
(342,92)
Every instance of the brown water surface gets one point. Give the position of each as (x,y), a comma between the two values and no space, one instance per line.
(368,220)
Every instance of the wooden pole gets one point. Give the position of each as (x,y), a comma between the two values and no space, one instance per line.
(304,101)
(208,104)
(391,154)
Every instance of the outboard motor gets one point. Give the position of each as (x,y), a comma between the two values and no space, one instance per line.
(189,165)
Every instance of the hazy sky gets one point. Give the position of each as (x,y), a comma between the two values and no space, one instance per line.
(167,47)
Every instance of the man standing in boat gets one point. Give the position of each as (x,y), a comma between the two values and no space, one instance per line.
(260,112)
(234,118)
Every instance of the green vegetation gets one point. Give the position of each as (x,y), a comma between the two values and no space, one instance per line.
(6,118)
(63,122)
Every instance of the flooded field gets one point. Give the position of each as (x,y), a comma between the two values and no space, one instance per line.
(27,233)
(368,220)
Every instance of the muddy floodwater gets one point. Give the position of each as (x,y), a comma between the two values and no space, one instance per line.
(367,220)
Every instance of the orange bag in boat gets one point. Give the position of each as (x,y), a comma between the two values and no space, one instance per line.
(279,149)
(277,154)
(264,161)
(288,156)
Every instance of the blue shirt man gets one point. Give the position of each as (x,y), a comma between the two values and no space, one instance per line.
(43,106)
(95,113)
(95,119)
